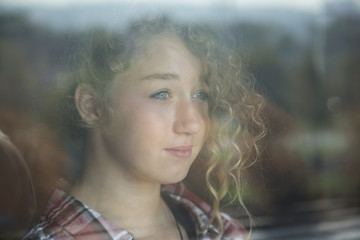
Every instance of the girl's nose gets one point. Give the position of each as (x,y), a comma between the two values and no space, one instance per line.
(188,119)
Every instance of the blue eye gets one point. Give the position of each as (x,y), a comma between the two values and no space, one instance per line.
(204,96)
(162,95)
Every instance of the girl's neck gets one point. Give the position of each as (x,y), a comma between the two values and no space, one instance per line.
(122,198)
(104,189)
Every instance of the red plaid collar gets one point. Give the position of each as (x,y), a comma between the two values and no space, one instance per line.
(68,218)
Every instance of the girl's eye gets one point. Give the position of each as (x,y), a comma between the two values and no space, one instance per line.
(202,95)
(162,95)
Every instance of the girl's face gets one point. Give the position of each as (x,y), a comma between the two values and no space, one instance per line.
(161,113)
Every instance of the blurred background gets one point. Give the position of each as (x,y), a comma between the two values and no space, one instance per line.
(304,55)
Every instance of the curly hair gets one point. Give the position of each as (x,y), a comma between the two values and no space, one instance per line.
(235,124)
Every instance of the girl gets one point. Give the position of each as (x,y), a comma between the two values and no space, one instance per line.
(148,104)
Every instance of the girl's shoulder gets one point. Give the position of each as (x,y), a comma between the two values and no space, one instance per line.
(66,217)
(201,211)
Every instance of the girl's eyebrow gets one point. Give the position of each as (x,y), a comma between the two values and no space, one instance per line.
(161,76)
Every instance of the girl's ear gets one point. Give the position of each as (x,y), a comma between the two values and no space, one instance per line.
(86,104)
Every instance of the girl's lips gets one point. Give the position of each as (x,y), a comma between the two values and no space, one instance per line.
(180,152)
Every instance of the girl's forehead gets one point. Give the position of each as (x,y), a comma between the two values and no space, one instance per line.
(158,48)
(152,44)
(164,56)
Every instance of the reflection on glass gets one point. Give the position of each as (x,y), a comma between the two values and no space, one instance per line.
(305,62)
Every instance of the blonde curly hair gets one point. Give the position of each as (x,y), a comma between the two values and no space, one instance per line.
(235,124)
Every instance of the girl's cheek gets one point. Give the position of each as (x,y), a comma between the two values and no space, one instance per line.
(147,111)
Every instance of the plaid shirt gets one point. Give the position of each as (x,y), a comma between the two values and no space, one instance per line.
(67,218)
